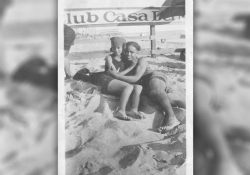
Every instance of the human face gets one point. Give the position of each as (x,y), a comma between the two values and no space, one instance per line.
(117,50)
(131,53)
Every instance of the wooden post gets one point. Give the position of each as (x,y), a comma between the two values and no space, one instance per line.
(153,42)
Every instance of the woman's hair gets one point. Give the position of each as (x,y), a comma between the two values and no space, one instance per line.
(123,48)
(134,44)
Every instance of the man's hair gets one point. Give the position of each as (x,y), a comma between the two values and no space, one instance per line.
(134,44)
(69,37)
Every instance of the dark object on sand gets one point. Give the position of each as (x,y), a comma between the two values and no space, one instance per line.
(183,55)
(87,76)
(37,72)
(245,18)
(82,75)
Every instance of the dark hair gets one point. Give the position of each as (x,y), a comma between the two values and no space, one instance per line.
(69,37)
(134,44)
(123,48)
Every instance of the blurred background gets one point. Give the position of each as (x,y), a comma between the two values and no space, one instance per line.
(28,85)
(221,87)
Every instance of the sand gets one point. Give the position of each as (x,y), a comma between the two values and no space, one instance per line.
(98,143)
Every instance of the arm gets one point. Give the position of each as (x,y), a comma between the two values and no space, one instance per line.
(140,69)
(124,72)
(109,63)
(67,67)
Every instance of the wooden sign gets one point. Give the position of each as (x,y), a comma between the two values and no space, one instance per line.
(113,17)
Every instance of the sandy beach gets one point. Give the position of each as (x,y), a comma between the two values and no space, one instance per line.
(98,143)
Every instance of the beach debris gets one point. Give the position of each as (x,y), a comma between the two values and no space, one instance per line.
(117,144)
(130,157)
(176,130)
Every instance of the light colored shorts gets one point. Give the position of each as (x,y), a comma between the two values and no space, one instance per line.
(144,81)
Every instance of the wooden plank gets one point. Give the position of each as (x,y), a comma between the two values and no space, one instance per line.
(176,42)
(167,37)
(119,24)
(145,52)
(166,51)
(157,37)
(137,37)
(105,40)
(104,53)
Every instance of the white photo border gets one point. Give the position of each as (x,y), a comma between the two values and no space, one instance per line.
(189,88)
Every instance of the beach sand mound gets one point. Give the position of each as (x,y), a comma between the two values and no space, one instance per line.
(98,143)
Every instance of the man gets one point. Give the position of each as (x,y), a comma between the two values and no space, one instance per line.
(69,37)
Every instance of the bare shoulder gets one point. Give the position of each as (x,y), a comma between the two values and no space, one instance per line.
(108,58)
(142,61)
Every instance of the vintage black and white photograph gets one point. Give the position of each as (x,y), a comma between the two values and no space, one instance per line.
(221,87)
(123,90)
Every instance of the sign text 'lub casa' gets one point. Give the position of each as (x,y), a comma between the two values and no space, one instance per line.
(113,17)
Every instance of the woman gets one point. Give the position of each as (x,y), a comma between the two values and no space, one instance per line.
(112,86)
(153,82)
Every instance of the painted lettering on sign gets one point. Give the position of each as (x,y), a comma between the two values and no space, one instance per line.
(114,16)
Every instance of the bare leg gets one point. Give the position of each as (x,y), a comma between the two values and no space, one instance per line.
(158,94)
(67,67)
(124,89)
(135,99)
(177,103)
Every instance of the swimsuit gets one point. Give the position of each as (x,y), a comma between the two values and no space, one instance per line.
(102,79)
(148,75)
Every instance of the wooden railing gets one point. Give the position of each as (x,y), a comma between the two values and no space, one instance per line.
(168,39)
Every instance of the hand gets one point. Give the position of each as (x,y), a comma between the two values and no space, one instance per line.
(112,73)
(68,77)
(134,63)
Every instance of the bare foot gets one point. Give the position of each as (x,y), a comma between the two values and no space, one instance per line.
(167,126)
(135,114)
(176,130)
(142,114)
(121,115)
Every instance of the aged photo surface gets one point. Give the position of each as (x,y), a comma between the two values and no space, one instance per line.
(28,87)
(122,104)
(221,87)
